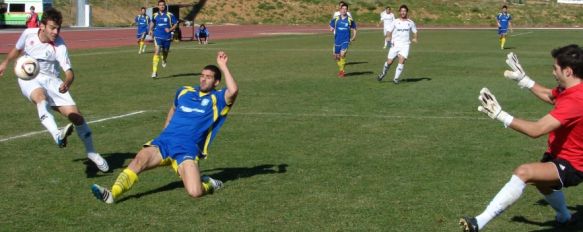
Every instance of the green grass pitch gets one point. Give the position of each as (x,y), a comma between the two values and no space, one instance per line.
(302,150)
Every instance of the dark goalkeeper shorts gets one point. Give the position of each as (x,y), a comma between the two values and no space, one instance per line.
(569,176)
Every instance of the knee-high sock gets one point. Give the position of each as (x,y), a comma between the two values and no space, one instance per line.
(398,71)
(141,43)
(47,119)
(165,54)
(342,63)
(502,42)
(155,61)
(504,199)
(386,67)
(84,133)
(557,201)
(124,182)
(339,63)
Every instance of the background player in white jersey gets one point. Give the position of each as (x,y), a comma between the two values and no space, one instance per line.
(400,36)
(47,89)
(387,18)
(337,13)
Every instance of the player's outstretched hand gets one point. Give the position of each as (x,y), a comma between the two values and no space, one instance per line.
(2,68)
(517,74)
(492,108)
(222,58)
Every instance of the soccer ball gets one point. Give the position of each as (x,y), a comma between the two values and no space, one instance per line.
(26,67)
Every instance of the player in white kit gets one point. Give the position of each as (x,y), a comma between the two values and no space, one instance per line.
(400,36)
(47,90)
(387,18)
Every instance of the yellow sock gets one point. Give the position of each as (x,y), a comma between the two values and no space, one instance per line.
(155,61)
(502,42)
(124,182)
(141,45)
(342,63)
(206,187)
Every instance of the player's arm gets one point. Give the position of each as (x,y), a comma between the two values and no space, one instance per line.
(332,24)
(536,129)
(11,56)
(169,115)
(232,88)
(151,26)
(353,37)
(69,78)
(518,74)
(414,37)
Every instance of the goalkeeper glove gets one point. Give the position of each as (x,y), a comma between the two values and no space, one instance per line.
(492,108)
(517,74)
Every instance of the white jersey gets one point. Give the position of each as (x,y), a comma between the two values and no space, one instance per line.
(387,18)
(337,13)
(48,54)
(401,30)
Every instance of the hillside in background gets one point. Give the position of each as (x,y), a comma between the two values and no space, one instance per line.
(424,13)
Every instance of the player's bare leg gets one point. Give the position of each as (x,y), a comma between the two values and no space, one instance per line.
(85,134)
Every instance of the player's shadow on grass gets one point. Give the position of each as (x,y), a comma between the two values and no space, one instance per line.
(576,225)
(182,75)
(114,160)
(350,74)
(411,80)
(509,48)
(356,62)
(223,174)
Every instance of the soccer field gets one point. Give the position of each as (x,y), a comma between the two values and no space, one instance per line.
(302,150)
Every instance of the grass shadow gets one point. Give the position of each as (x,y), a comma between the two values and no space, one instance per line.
(114,160)
(223,174)
(552,225)
(416,79)
(357,73)
(356,62)
(181,75)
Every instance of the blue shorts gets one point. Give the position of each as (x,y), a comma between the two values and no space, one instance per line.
(341,47)
(175,150)
(502,31)
(141,34)
(162,43)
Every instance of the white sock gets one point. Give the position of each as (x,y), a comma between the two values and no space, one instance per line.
(84,133)
(47,119)
(504,199)
(557,201)
(385,69)
(398,71)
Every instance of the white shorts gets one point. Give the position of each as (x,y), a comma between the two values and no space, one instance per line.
(51,87)
(385,30)
(395,50)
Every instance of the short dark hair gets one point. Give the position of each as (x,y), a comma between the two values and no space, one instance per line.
(164,1)
(570,56)
(214,69)
(32,7)
(344,5)
(404,6)
(504,7)
(52,14)
(143,8)
(388,7)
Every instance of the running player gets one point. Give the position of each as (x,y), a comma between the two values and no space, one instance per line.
(344,29)
(143,22)
(400,37)
(503,20)
(47,90)
(387,18)
(161,28)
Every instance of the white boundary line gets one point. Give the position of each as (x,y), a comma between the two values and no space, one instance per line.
(360,116)
(94,121)
(524,33)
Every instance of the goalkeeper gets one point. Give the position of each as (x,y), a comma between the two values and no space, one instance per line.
(562,163)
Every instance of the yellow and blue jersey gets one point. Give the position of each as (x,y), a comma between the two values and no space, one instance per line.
(342,29)
(162,21)
(503,19)
(143,23)
(195,123)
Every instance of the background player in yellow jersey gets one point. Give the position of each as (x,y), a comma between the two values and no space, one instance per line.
(191,125)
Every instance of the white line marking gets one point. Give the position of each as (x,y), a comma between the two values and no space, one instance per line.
(361,116)
(94,121)
(524,33)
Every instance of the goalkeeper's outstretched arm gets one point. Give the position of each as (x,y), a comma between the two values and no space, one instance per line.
(536,129)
